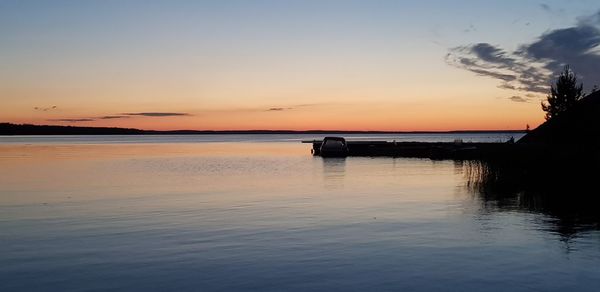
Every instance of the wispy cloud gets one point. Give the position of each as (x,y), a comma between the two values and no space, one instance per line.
(71,120)
(512,70)
(45,109)
(119,116)
(295,107)
(545,7)
(553,11)
(156,114)
(469,29)
(531,67)
(278,109)
(517,98)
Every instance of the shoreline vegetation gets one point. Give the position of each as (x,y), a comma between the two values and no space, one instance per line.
(11,129)
(549,170)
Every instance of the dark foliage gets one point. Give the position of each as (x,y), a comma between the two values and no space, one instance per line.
(564,94)
(579,126)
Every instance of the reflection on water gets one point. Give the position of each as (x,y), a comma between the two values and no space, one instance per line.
(565,193)
(268,216)
(334,170)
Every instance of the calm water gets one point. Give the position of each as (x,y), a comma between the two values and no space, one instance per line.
(217,213)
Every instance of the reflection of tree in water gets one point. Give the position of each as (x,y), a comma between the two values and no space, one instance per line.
(566,192)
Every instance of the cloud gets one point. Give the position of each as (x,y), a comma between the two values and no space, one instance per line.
(517,98)
(278,109)
(156,114)
(45,109)
(514,72)
(546,7)
(119,116)
(113,117)
(530,68)
(296,106)
(555,12)
(593,19)
(144,114)
(574,46)
(492,54)
(497,75)
(469,29)
(72,120)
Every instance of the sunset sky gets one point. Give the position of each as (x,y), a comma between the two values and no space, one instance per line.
(348,65)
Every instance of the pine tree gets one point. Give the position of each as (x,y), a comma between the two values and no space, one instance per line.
(563,94)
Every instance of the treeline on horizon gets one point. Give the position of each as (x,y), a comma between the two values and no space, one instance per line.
(29,129)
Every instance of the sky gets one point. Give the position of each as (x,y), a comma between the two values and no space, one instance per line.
(296,65)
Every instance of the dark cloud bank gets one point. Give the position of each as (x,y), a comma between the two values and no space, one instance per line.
(531,67)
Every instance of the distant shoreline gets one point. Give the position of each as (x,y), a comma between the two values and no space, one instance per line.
(10,129)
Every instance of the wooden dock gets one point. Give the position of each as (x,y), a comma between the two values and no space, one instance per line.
(434,150)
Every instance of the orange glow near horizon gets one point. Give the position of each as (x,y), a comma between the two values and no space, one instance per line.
(455,100)
(384,117)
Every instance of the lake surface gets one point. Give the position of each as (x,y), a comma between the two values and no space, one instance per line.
(258,212)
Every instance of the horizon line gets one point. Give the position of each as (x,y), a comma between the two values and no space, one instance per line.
(264,131)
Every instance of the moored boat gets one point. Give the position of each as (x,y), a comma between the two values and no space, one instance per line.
(334,147)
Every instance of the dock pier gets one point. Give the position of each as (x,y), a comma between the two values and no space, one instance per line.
(456,150)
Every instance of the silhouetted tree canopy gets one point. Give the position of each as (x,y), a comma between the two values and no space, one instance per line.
(563,94)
